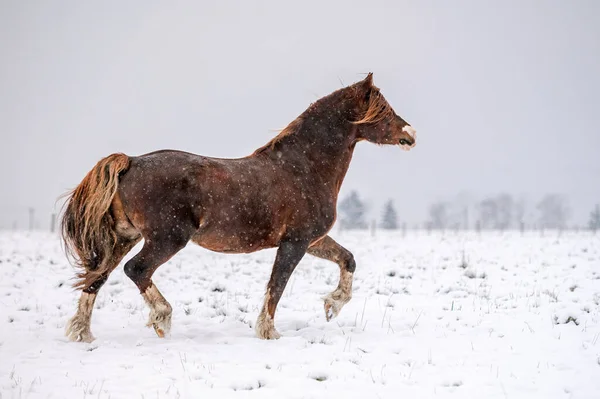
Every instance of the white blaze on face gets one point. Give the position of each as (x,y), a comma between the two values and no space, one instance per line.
(412,133)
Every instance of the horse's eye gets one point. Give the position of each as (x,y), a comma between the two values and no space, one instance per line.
(403,142)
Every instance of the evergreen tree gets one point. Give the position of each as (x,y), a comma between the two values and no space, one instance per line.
(389,219)
(594,223)
(352,212)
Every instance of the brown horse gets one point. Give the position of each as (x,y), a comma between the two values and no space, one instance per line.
(283,195)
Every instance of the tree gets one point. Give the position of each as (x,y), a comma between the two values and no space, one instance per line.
(500,212)
(505,208)
(389,219)
(553,212)
(594,223)
(488,213)
(460,210)
(519,212)
(438,215)
(352,212)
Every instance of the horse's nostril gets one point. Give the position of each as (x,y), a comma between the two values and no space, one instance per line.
(403,142)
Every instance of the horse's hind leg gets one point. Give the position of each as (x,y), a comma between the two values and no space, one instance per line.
(328,249)
(78,328)
(156,251)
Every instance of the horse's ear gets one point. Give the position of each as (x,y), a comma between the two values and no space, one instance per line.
(366,84)
(365,87)
(368,81)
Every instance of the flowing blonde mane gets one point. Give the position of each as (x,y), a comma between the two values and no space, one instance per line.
(378,109)
(293,127)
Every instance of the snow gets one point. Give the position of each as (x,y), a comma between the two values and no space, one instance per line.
(454,315)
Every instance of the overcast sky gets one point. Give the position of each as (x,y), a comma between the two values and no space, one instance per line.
(504,95)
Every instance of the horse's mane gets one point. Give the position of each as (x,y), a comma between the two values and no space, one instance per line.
(377,111)
(293,127)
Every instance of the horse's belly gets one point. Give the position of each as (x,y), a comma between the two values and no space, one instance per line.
(236,239)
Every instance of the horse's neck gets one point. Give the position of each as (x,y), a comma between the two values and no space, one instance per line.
(321,146)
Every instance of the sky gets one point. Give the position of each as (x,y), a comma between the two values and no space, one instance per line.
(505,96)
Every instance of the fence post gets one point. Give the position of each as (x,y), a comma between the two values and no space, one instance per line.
(522,227)
(31,218)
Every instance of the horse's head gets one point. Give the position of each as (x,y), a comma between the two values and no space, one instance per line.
(377,122)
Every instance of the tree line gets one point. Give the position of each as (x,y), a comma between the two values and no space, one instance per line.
(497,212)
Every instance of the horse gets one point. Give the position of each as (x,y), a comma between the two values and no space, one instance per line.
(281,196)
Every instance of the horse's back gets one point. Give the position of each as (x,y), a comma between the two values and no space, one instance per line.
(169,189)
(230,205)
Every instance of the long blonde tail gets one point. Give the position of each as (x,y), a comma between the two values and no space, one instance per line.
(87,226)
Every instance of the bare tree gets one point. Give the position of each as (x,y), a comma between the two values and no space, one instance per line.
(505,211)
(497,212)
(460,209)
(519,210)
(438,215)
(488,213)
(553,212)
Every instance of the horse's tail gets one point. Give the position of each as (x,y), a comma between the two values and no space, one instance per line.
(87,227)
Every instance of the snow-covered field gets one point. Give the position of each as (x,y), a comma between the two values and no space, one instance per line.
(514,317)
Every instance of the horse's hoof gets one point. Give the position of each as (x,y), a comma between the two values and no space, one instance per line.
(329,311)
(269,334)
(333,306)
(161,323)
(159,331)
(160,328)
(77,331)
(87,338)
(265,327)
(81,337)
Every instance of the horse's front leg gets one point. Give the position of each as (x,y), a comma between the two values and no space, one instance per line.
(289,254)
(328,249)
